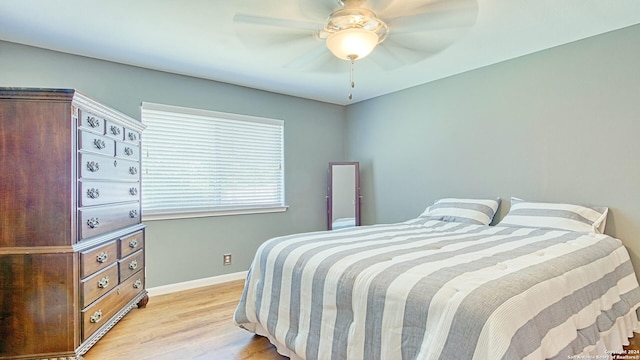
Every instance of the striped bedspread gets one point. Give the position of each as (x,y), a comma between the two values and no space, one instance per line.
(439,290)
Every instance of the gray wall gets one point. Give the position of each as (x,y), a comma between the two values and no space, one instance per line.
(189,249)
(560,125)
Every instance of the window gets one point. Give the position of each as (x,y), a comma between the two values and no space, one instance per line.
(203,163)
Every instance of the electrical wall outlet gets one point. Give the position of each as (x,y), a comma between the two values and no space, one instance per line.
(226,259)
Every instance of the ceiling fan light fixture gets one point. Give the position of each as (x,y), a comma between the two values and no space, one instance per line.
(353,31)
(352,43)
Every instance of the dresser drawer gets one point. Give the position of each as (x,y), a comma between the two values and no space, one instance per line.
(95,143)
(98,258)
(131,136)
(131,243)
(131,264)
(99,220)
(104,168)
(99,284)
(91,122)
(99,313)
(127,151)
(114,131)
(103,192)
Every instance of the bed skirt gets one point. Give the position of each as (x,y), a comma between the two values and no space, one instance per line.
(610,343)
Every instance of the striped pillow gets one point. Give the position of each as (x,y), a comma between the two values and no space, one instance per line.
(556,216)
(474,211)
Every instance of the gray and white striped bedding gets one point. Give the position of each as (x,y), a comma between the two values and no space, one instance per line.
(428,289)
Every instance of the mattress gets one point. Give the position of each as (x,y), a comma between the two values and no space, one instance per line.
(426,289)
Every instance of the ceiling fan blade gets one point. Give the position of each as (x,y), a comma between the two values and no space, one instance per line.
(433,16)
(427,41)
(390,55)
(402,49)
(269,41)
(272,34)
(377,6)
(275,42)
(319,60)
(385,58)
(419,29)
(307,58)
(276,22)
(397,8)
(318,9)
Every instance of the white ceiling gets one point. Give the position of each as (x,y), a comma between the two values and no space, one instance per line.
(199,38)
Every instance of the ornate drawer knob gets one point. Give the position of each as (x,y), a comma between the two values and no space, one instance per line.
(133,243)
(137,284)
(93,222)
(100,144)
(133,213)
(93,193)
(115,130)
(133,191)
(104,282)
(93,122)
(102,257)
(133,170)
(96,317)
(133,136)
(133,265)
(128,151)
(93,166)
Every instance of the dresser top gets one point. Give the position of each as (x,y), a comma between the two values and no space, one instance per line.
(36,93)
(69,95)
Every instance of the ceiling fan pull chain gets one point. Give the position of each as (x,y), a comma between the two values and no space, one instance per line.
(353,84)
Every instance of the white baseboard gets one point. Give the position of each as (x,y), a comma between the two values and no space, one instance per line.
(187,285)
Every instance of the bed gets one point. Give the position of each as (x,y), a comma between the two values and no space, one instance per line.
(342,223)
(442,287)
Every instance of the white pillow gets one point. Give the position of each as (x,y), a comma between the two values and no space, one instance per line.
(474,211)
(556,216)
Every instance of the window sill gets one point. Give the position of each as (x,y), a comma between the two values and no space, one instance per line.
(188,215)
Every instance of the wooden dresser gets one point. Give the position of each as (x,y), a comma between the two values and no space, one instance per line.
(71,239)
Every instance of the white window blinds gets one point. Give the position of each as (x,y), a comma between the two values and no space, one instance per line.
(200,163)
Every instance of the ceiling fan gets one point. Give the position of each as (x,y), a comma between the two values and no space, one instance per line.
(391,33)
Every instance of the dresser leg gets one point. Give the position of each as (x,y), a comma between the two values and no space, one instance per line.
(143,302)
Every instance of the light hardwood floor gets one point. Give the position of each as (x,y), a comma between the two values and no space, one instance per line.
(192,324)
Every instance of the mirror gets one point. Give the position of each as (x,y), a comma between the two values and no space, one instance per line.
(343,195)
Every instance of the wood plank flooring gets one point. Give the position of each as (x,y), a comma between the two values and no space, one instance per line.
(193,324)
